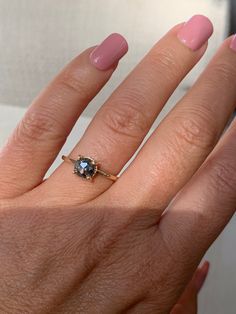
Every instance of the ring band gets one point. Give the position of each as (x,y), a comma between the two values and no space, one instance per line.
(87,168)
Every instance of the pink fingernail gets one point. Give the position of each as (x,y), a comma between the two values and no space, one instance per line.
(233,43)
(201,276)
(196,32)
(109,52)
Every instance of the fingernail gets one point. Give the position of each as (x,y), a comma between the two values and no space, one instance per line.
(205,266)
(201,277)
(196,32)
(233,43)
(109,52)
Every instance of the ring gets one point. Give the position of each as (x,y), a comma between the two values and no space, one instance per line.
(87,168)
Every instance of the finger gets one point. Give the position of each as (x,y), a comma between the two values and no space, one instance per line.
(205,205)
(188,300)
(43,130)
(178,309)
(120,126)
(200,275)
(185,138)
(194,286)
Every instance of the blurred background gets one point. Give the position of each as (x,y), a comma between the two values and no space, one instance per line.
(38,37)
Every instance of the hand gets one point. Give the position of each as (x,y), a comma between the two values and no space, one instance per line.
(69,245)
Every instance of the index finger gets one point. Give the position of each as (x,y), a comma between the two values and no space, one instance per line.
(39,136)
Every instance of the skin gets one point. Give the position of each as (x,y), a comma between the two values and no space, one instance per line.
(187,303)
(72,246)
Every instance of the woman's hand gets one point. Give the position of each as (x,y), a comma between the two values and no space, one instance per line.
(70,245)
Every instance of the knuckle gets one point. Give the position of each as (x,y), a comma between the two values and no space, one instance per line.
(196,131)
(126,118)
(5,205)
(222,175)
(165,60)
(221,71)
(39,125)
(76,83)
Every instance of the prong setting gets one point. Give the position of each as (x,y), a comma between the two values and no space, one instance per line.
(85,167)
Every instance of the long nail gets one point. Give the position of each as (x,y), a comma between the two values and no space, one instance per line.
(109,52)
(195,32)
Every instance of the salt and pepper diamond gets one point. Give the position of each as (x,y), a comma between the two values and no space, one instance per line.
(85,167)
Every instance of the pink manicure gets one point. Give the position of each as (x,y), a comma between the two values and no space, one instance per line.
(196,32)
(109,52)
(233,43)
(201,275)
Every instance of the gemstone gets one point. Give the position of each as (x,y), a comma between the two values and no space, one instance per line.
(85,167)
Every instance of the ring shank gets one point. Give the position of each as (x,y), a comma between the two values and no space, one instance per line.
(68,159)
(107,175)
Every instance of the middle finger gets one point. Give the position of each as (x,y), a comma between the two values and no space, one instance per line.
(120,126)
